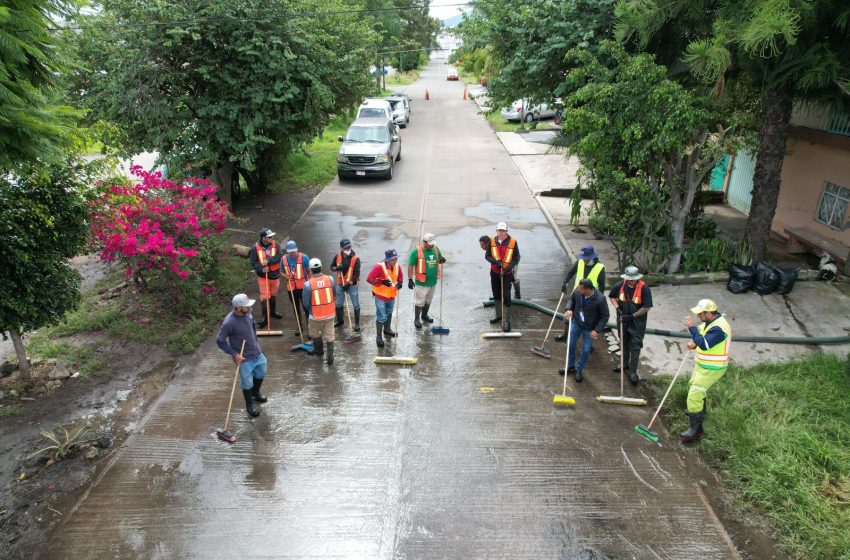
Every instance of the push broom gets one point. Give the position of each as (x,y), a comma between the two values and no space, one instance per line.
(541,350)
(268,331)
(222,433)
(303,346)
(621,399)
(563,399)
(646,431)
(440,329)
(403,360)
(502,334)
(352,337)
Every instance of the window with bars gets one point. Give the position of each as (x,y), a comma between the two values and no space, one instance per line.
(833,206)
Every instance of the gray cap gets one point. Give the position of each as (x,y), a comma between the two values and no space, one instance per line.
(242,300)
(631,273)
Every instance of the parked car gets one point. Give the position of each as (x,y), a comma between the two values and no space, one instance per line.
(375,108)
(370,148)
(451,74)
(401,109)
(522,109)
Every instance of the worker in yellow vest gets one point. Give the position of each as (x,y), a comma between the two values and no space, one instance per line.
(587,265)
(296,271)
(632,299)
(265,257)
(503,257)
(423,270)
(711,339)
(318,298)
(386,279)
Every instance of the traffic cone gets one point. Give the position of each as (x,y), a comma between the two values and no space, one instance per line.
(427,97)
(464,94)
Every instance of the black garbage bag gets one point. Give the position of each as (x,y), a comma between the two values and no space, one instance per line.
(740,278)
(767,278)
(787,278)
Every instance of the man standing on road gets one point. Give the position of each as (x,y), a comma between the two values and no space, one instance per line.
(346,264)
(711,339)
(296,271)
(632,299)
(589,313)
(237,327)
(386,279)
(265,258)
(318,299)
(587,265)
(428,260)
(503,257)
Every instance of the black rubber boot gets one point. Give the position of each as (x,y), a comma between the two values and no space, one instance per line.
(579,376)
(273,305)
(425,316)
(634,378)
(255,391)
(388,332)
(265,320)
(356,320)
(695,430)
(563,336)
(507,326)
(330,353)
(249,403)
(379,334)
(416,322)
(516,290)
(498,316)
(319,345)
(340,317)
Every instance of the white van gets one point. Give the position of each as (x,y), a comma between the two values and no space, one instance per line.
(375,108)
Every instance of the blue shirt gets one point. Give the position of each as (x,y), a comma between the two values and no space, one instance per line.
(234,329)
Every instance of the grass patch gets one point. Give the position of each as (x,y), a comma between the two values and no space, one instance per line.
(10,410)
(782,433)
(316,163)
(403,78)
(85,358)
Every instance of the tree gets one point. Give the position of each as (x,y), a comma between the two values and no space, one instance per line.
(41,227)
(797,50)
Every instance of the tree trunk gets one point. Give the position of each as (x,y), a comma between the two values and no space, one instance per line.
(221,177)
(21,353)
(257,181)
(776,114)
(677,230)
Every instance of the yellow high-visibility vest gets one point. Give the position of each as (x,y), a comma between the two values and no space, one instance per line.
(716,357)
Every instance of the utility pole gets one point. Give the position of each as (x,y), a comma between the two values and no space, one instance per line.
(383,76)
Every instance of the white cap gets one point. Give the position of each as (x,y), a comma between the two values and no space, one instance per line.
(315,263)
(242,300)
(429,238)
(502,226)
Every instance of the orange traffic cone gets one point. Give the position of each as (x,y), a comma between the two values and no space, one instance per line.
(464,94)
(427,97)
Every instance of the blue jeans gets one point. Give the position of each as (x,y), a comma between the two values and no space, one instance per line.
(353,294)
(586,345)
(250,370)
(383,309)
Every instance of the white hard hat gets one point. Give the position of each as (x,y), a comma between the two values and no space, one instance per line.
(502,226)
(315,263)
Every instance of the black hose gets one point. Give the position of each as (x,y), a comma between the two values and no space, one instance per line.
(684,334)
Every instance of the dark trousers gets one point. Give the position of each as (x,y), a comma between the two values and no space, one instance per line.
(632,343)
(299,304)
(506,279)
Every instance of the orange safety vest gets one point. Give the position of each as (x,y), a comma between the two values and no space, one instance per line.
(299,278)
(322,297)
(342,280)
(636,299)
(422,265)
(388,292)
(496,251)
(261,255)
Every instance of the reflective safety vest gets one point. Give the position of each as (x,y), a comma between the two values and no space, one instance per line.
(341,279)
(261,255)
(422,264)
(636,298)
(388,292)
(593,276)
(298,278)
(322,304)
(716,357)
(504,253)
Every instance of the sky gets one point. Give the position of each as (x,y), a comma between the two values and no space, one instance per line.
(442,9)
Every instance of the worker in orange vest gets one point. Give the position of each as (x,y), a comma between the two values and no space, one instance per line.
(503,257)
(386,279)
(632,299)
(318,299)
(265,257)
(346,264)
(296,271)
(425,265)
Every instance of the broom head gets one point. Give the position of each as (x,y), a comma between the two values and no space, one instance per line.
(303,346)
(269,333)
(512,334)
(563,400)
(395,360)
(440,330)
(647,433)
(225,435)
(621,400)
(352,338)
(542,352)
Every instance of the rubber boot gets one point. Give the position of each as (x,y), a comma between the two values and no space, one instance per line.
(255,391)
(265,319)
(379,334)
(563,336)
(388,332)
(425,316)
(634,378)
(507,326)
(579,376)
(319,345)
(249,403)
(273,305)
(356,320)
(416,322)
(695,430)
(330,353)
(516,290)
(498,316)
(340,317)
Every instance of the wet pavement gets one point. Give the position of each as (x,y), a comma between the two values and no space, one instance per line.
(461,456)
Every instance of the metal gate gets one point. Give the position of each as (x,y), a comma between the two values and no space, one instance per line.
(740,194)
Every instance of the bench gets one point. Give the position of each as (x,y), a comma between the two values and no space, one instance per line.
(804,240)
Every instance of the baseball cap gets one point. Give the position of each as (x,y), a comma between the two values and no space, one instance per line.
(345,243)
(704,305)
(315,263)
(502,226)
(390,254)
(291,247)
(429,238)
(242,300)
(266,232)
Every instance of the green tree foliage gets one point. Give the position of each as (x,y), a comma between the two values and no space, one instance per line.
(32,124)
(794,50)
(42,225)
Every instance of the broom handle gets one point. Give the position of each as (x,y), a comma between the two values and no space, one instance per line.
(440,272)
(233,388)
(347,311)
(297,318)
(502,287)
(552,322)
(268,305)
(670,388)
(622,359)
(567,358)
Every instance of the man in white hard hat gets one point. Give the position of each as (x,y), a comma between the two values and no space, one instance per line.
(427,260)
(317,297)
(239,327)
(632,299)
(503,257)
(711,339)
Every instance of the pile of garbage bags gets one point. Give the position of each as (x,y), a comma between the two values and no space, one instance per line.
(763,279)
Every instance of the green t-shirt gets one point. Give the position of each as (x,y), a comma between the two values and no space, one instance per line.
(431,265)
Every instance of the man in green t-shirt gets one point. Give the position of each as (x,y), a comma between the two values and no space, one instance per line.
(423,270)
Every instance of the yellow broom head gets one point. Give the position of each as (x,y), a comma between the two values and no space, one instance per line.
(563,401)
(395,360)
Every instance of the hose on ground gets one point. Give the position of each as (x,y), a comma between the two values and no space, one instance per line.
(684,334)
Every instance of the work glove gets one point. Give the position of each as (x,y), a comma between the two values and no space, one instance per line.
(442,260)
(410,283)
(333,268)
(626,318)
(346,287)
(564,288)
(398,285)
(387,283)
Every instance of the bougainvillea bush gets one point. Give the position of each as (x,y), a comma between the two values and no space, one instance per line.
(165,233)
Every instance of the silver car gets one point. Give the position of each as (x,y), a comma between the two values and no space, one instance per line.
(521,109)
(401,109)
(370,149)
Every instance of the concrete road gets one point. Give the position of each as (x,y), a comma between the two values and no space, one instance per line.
(460,456)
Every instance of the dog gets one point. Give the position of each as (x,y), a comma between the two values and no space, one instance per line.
(828,269)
